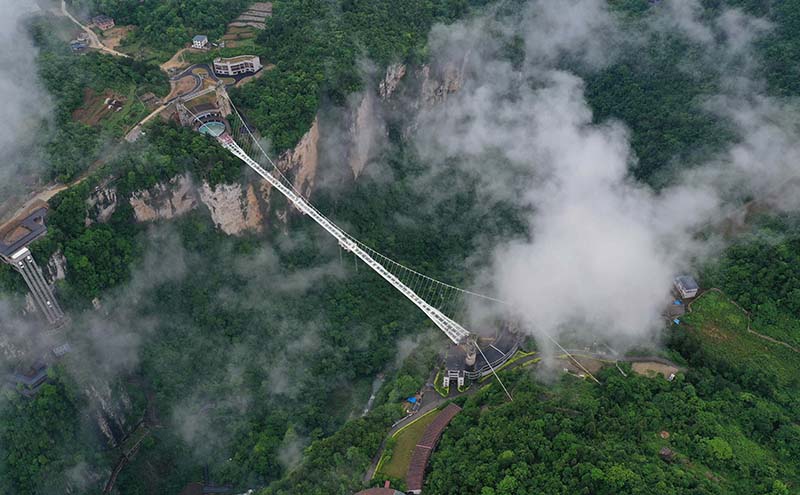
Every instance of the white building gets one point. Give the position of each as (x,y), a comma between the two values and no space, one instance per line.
(200,41)
(237,65)
(686,286)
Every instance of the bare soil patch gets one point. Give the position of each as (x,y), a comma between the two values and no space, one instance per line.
(181,87)
(114,36)
(591,364)
(651,368)
(94,108)
(176,62)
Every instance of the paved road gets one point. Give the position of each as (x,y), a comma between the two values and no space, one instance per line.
(94,41)
(431,400)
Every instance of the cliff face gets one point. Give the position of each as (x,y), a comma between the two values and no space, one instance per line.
(391,80)
(237,209)
(56,267)
(233,210)
(303,160)
(165,201)
(101,205)
(436,84)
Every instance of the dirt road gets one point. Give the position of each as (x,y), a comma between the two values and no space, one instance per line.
(94,41)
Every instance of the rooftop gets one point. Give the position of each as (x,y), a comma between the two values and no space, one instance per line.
(687,282)
(23,229)
(200,37)
(234,60)
(379,491)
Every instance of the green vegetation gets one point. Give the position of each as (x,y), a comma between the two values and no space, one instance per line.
(316,45)
(720,341)
(40,438)
(760,273)
(164,26)
(70,78)
(578,437)
(269,343)
(395,463)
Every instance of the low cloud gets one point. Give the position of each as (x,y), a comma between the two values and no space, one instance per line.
(26,103)
(602,247)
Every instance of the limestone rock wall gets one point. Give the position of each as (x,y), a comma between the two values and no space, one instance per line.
(233,210)
(102,203)
(165,201)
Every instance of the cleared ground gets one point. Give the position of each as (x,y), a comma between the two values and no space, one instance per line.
(652,368)
(114,36)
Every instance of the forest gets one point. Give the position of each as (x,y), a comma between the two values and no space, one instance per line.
(259,371)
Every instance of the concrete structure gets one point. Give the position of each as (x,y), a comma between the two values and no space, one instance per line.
(15,236)
(103,22)
(461,366)
(237,65)
(200,41)
(686,286)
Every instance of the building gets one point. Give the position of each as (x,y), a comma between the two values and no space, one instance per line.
(78,45)
(460,369)
(386,489)
(200,41)
(103,22)
(686,286)
(237,65)
(29,381)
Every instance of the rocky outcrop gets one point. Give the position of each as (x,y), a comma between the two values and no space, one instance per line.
(232,210)
(165,201)
(108,411)
(436,86)
(388,85)
(102,203)
(303,160)
(56,267)
(366,130)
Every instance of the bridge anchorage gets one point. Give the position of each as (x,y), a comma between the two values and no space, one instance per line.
(470,356)
(15,237)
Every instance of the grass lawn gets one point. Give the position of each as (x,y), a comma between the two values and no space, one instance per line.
(405,441)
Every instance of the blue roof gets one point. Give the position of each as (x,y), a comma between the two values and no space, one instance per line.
(200,37)
(676,321)
(677,302)
(412,400)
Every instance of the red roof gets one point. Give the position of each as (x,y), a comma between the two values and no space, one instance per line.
(379,491)
(422,452)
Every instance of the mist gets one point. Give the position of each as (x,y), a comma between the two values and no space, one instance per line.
(26,103)
(602,247)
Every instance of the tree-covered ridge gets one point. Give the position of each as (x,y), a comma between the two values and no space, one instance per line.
(40,438)
(319,49)
(583,438)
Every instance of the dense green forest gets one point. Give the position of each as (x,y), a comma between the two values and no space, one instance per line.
(255,354)
(316,47)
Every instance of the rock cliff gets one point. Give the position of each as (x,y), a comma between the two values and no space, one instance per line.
(165,201)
